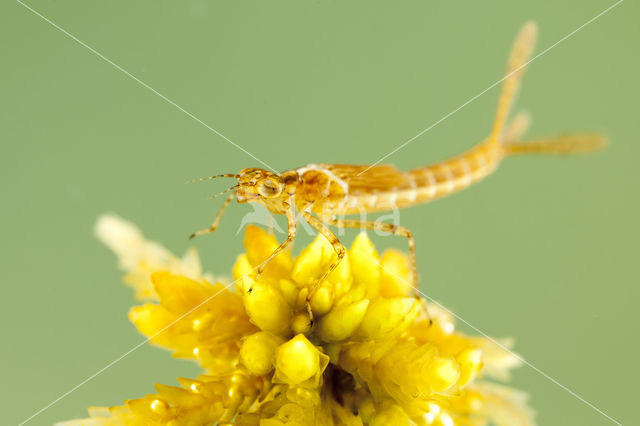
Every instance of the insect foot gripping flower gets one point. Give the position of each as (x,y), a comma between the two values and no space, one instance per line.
(372,356)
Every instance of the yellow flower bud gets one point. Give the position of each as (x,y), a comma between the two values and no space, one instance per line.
(257,352)
(288,290)
(342,321)
(322,300)
(180,294)
(151,408)
(298,360)
(391,414)
(259,246)
(313,262)
(442,373)
(301,323)
(341,277)
(365,264)
(470,361)
(396,274)
(310,264)
(265,306)
(386,317)
(242,267)
(151,320)
(356,293)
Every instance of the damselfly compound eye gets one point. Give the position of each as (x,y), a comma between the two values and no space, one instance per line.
(269,189)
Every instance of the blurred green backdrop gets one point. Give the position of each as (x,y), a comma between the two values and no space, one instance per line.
(545,250)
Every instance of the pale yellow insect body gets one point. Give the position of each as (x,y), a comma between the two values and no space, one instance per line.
(323,192)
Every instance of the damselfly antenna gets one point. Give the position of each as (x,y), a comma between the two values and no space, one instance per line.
(223,192)
(229,175)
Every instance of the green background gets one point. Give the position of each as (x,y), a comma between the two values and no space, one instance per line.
(545,250)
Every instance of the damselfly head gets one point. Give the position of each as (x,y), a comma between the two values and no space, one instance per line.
(258,184)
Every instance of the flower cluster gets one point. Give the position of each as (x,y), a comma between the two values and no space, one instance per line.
(372,355)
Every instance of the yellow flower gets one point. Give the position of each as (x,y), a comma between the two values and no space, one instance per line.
(372,355)
(298,360)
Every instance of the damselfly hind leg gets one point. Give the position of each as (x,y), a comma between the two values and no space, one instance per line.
(395,230)
(390,228)
(337,246)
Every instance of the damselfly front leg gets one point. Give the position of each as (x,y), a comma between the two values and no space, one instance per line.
(291,234)
(216,221)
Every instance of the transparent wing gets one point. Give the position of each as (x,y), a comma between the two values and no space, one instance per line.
(367,179)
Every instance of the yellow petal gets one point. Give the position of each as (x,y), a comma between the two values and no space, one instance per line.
(442,373)
(301,323)
(322,300)
(180,294)
(259,246)
(364,261)
(470,361)
(396,274)
(391,415)
(313,262)
(342,321)
(386,317)
(242,267)
(289,291)
(150,320)
(258,350)
(298,360)
(266,306)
